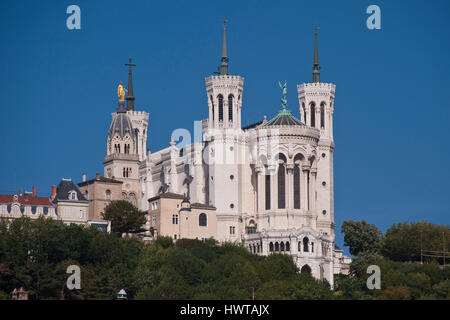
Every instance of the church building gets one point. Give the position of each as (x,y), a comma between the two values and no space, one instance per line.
(268,186)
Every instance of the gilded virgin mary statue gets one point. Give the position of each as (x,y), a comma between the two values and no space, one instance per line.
(121,92)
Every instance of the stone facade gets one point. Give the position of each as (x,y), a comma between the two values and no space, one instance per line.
(270,184)
(66,203)
(173,215)
(99,192)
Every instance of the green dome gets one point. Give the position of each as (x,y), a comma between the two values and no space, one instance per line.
(284,118)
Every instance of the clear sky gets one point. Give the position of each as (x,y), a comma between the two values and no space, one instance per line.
(59,88)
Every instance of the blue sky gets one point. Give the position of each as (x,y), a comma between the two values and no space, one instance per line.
(392,154)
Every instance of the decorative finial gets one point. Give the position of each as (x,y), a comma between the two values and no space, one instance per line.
(316,67)
(224,59)
(283,87)
(224,43)
(130,97)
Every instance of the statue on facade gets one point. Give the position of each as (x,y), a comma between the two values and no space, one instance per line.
(121,92)
(284,94)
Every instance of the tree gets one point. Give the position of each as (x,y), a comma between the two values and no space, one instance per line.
(395,293)
(124,217)
(361,236)
(402,241)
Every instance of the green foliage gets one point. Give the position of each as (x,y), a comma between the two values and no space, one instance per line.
(400,279)
(395,293)
(361,236)
(402,241)
(195,269)
(35,254)
(124,217)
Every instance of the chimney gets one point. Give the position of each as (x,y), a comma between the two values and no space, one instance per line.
(53,192)
(34,191)
(20,192)
(84,177)
(97,176)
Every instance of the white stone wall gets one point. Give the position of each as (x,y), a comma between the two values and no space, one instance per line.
(235,182)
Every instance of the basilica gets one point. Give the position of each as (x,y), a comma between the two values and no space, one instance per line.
(268,186)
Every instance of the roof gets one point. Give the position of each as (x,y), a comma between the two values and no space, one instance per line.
(100,179)
(169,195)
(27,200)
(202,206)
(284,118)
(64,188)
(121,125)
(253,125)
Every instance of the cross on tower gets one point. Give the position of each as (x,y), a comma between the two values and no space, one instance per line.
(130,64)
(130,97)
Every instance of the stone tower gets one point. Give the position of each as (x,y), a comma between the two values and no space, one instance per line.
(126,145)
(225,146)
(316,109)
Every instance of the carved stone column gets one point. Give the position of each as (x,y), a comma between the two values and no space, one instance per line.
(289,186)
(260,189)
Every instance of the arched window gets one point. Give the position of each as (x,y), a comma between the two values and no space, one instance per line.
(281,182)
(313,115)
(322,115)
(124,196)
(230,107)
(304,113)
(288,246)
(305,244)
(305,269)
(299,246)
(202,220)
(271,247)
(296,187)
(132,199)
(267,191)
(108,194)
(174,219)
(212,104)
(277,247)
(220,98)
(118,148)
(282,246)
(125,148)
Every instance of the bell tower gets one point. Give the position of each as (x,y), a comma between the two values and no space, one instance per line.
(316,108)
(317,100)
(224,93)
(225,146)
(126,143)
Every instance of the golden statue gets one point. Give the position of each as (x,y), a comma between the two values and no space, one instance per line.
(121,92)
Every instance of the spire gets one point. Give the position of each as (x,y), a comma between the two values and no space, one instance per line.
(130,97)
(316,68)
(224,59)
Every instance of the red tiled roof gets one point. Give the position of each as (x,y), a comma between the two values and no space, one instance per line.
(27,200)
